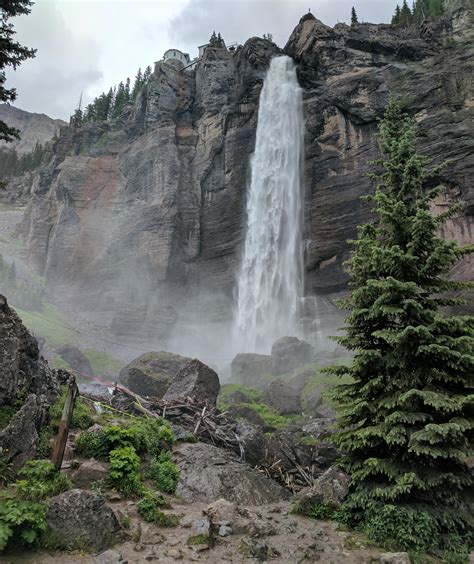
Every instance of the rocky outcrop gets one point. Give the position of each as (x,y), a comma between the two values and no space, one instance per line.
(80,519)
(208,473)
(151,374)
(76,359)
(289,353)
(250,368)
(196,381)
(142,219)
(27,388)
(331,488)
(34,128)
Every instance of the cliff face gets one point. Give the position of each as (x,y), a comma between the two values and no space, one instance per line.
(150,210)
(33,127)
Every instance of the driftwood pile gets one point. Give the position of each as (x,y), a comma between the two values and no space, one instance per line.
(209,425)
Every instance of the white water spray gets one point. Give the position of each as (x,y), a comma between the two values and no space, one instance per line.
(270,282)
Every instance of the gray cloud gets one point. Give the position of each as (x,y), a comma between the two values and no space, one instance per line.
(241,19)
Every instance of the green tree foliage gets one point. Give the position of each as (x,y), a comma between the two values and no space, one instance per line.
(216,40)
(422,10)
(406,417)
(12,164)
(354,18)
(12,54)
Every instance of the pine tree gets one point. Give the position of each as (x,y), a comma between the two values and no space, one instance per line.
(127,90)
(213,40)
(396,16)
(406,415)
(12,54)
(137,85)
(406,16)
(354,19)
(147,74)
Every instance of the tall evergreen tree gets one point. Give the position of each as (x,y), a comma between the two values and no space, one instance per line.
(407,415)
(12,54)
(137,85)
(396,16)
(147,74)
(354,18)
(406,16)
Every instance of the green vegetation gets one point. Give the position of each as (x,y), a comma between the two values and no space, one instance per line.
(50,324)
(103,364)
(13,164)
(323,511)
(422,10)
(164,473)
(22,511)
(354,18)
(124,473)
(82,416)
(6,414)
(406,417)
(227,389)
(198,539)
(149,508)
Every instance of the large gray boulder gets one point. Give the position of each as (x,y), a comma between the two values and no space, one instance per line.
(152,373)
(81,519)
(282,397)
(249,369)
(25,381)
(197,381)
(208,473)
(76,359)
(289,353)
(331,488)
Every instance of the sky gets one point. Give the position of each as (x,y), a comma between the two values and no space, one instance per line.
(90,45)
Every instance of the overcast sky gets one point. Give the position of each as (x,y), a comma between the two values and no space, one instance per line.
(90,45)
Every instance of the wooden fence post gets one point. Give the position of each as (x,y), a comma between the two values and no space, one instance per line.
(63,431)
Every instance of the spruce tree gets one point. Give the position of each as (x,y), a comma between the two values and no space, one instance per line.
(407,413)
(12,54)
(396,16)
(406,16)
(354,18)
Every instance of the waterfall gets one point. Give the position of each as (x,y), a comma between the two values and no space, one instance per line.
(270,282)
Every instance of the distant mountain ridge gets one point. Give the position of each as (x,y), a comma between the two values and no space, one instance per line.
(33,128)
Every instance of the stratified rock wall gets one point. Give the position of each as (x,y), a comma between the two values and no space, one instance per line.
(142,220)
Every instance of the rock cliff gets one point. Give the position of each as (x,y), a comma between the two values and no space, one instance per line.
(142,219)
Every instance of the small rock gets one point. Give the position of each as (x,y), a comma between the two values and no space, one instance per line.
(201,526)
(88,472)
(225,531)
(254,548)
(395,558)
(109,557)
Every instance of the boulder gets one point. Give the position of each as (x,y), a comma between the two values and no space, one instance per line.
(87,473)
(314,403)
(289,353)
(282,397)
(208,472)
(76,359)
(81,519)
(197,381)
(152,373)
(395,558)
(330,488)
(250,368)
(27,381)
(249,414)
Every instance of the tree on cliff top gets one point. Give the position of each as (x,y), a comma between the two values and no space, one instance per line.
(354,18)
(406,418)
(12,54)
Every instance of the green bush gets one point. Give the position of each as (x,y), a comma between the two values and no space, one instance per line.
(45,448)
(155,435)
(21,521)
(323,511)
(82,416)
(91,445)
(6,414)
(124,472)
(164,473)
(149,508)
(40,480)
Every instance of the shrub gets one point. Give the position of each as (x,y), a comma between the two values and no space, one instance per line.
(21,521)
(81,416)
(91,445)
(154,435)
(164,473)
(149,508)
(124,472)
(323,511)
(41,480)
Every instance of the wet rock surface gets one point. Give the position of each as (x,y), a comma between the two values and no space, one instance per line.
(208,473)
(197,381)
(289,353)
(151,374)
(81,519)
(330,488)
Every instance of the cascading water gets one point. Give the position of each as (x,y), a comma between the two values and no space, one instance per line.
(270,282)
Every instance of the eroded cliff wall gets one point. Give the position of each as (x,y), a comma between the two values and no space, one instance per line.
(141,220)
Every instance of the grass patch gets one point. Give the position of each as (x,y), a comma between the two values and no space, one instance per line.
(49,324)
(103,364)
(228,389)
